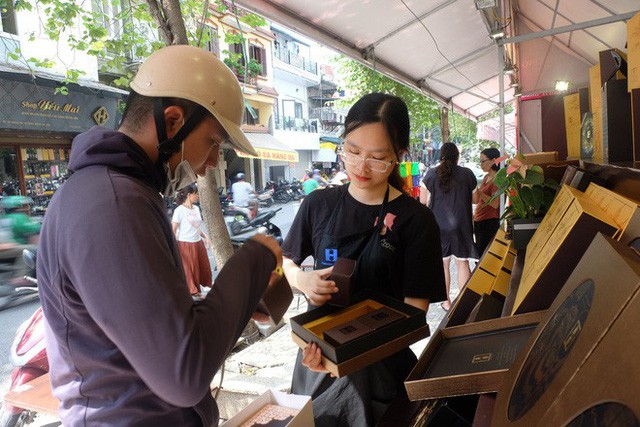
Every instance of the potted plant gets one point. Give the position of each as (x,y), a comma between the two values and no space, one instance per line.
(530,196)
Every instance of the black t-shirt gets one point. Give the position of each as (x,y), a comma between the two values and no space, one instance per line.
(409,223)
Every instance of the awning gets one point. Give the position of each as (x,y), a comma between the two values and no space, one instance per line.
(490,129)
(269,148)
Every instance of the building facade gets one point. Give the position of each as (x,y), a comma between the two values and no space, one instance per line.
(38,120)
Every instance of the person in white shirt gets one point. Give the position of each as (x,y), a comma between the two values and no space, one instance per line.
(243,193)
(186,223)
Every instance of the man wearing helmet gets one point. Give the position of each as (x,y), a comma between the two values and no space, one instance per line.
(126,344)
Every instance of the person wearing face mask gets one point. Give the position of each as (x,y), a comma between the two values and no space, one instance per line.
(396,244)
(126,343)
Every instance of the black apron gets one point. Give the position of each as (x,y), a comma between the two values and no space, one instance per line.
(375,269)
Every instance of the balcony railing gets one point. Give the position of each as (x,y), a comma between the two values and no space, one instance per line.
(296,124)
(325,114)
(296,60)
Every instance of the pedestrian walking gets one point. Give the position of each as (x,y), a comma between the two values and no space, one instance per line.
(448,192)
(186,224)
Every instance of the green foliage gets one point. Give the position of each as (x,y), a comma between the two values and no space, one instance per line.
(361,80)
(424,111)
(119,39)
(529,193)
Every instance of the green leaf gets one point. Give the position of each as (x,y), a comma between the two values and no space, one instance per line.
(533,178)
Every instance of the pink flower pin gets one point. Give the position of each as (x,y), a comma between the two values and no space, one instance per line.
(388,220)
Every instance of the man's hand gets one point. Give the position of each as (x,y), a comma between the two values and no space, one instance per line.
(271,244)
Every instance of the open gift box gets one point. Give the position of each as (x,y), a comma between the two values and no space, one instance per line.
(470,359)
(359,352)
(275,407)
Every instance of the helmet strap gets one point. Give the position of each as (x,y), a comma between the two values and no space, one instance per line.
(168,146)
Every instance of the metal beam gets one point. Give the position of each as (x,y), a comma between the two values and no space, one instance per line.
(476,85)
(413,21)
(462,90)
(462,60)
(568,28)
(559,42)
(598,39)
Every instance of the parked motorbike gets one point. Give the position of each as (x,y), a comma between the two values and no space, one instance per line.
(281,192)
(18,290)
(261,223)
(265,198)
(28,355)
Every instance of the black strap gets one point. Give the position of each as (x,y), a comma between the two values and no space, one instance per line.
(168,146)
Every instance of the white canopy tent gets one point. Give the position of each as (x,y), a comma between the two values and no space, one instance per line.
(442,48)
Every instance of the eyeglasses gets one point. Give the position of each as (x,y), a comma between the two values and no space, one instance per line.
(485,160)
(375,165)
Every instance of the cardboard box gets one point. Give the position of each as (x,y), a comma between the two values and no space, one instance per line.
(361,352)
(470,359)
(303,404)
(276,300)
(633,50)
(489,307)
(575,105)
(603,283)
(625,212)
(341,274)
(617,140)
(541,157)
(610,374)
(547,270)
(595,96)
(489,277)
(635,117)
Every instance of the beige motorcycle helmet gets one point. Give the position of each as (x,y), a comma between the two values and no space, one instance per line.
(199,76)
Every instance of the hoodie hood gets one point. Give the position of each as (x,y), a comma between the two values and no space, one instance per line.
(104,147)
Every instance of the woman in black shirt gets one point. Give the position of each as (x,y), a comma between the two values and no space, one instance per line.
(395,240)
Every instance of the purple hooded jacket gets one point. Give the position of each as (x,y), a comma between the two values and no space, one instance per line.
(126,344)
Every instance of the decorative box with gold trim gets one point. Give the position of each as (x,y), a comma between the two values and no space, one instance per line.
(359,352)
(603,284)
(470,359)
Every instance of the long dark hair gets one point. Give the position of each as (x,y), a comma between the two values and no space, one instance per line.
(492,153)
(392,112)
(182,194)
(449,156)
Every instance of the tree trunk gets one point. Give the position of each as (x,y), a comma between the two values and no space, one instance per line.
(444,124)
(168,16)
(213,218)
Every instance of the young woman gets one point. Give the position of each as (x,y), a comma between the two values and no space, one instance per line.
(395,241)
(485,217)
(448,191)
(186,223)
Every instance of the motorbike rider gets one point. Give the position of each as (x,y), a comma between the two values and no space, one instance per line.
(24,229)
(244,195)
(126,343)
(18,231)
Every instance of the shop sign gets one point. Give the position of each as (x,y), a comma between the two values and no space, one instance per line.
(270,154)
(27,106)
